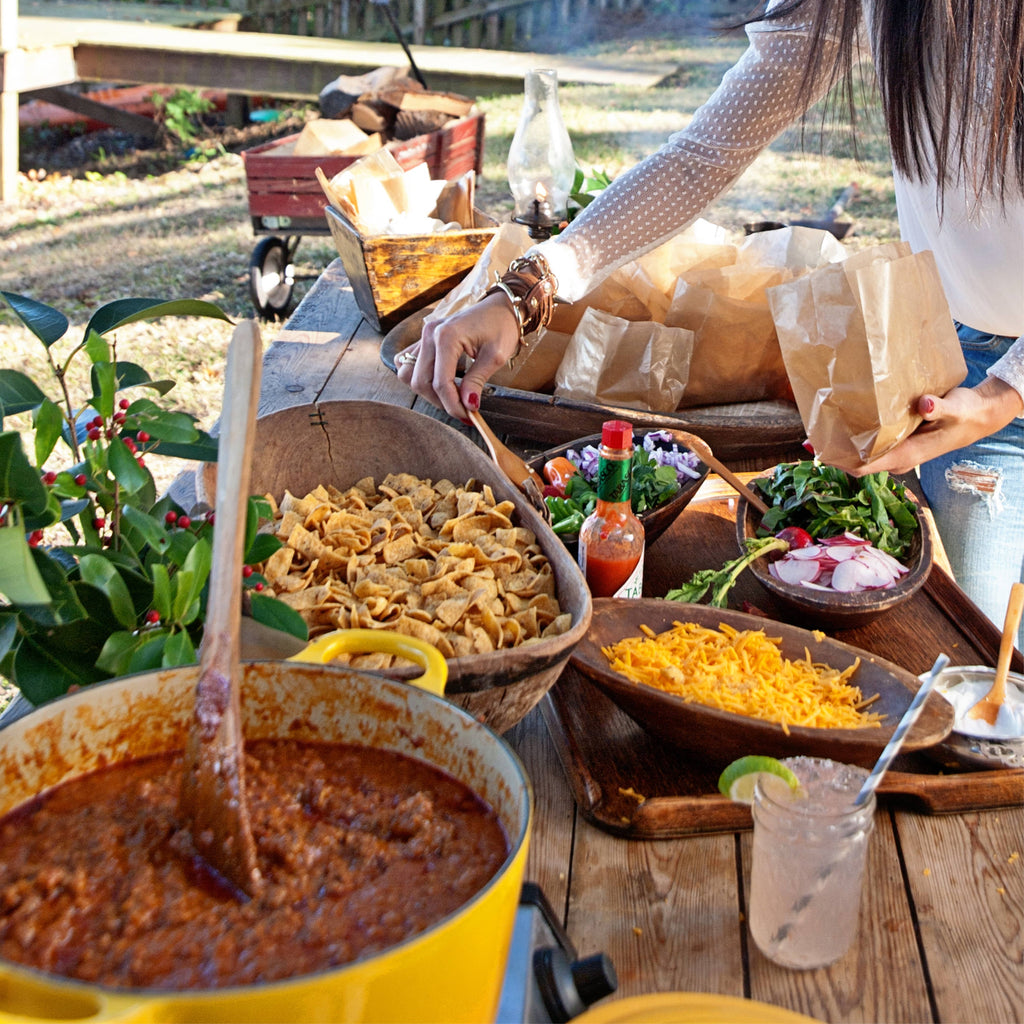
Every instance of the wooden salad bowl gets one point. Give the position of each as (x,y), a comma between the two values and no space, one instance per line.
(655,521)
(832,609)
(713,737)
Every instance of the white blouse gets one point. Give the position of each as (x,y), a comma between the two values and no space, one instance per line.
(978,246)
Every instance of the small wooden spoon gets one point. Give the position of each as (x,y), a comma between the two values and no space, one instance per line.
(213,787)
(701,448)
(989,705)
(526,479)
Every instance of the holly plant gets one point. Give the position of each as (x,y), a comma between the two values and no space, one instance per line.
(99,575)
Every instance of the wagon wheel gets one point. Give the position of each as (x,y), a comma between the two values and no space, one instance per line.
(272,276)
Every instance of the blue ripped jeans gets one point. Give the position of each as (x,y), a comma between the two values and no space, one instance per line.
(977,496)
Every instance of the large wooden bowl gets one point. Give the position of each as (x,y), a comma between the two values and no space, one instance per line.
(828,608)
(717,737)
(655,521)
(340,442)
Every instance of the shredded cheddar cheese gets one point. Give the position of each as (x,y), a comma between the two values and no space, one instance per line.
(743,672)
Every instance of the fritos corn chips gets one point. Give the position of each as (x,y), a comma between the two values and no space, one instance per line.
(432,560)
(743,672)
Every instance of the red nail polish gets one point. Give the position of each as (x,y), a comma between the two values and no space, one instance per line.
(473,400)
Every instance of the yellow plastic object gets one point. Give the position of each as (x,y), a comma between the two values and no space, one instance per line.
(689,1008)
(357,641)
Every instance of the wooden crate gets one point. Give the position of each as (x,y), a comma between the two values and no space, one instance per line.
(284,192)
(393,276)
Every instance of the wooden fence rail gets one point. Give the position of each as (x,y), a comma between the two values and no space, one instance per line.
(490,24)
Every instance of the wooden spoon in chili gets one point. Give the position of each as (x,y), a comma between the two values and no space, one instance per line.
(213,787)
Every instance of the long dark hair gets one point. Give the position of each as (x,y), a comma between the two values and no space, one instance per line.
(933,60)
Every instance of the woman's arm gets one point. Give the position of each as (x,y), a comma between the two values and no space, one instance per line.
(756,100)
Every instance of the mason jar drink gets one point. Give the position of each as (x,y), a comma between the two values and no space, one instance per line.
(809,851)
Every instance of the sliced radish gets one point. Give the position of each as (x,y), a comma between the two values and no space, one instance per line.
(795,570)
(812,552)
(854,575)
(842,552)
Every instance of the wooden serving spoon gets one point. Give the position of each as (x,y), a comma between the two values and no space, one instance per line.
(703,451)
(526,479)
(213,788)
(989,705)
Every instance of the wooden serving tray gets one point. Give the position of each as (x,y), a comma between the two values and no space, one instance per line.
(629,783)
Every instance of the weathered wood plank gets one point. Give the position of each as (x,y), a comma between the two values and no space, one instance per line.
(976,956)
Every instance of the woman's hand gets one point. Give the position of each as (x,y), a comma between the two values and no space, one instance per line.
(487,332)
(963,416)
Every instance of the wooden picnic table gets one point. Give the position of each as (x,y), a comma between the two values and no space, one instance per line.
(622,846)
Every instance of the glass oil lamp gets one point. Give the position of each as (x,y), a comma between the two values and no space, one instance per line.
(541,164)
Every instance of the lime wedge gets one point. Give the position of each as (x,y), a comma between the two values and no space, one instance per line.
(737,781)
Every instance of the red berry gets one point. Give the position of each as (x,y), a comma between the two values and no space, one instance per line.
(96,421)
(93,434)
(49,478)
(140,461)
(246,571)
(184,522)
(118,417)
(131,445)
(171,517)
(142,436)
(152,616)
(123,404)
(98,523)
(80,480)
(209,517)
(34,538)
(259,586)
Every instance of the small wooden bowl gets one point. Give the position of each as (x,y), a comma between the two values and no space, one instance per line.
(717,737)
(832,609)
(656,520)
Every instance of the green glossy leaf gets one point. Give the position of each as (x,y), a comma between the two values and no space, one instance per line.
(126,311)
(152,531)
(196,571)
(117,652)
(104,387)
(45,322)
(179,650)
(276,614)
(97,348)
(129,474)
(65,606)
(178,427)
(49,423)
(261,548)
(19,479)
(44,670)
(98,572)
(130,375)
(149,655)
(203,449)
(161,590)
(8,632)
(18,393)
(20,579)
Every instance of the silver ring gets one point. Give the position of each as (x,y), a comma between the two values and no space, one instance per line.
(405,358)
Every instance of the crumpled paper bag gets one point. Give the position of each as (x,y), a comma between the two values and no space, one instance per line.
(612,361)
(736,353)
(862,341)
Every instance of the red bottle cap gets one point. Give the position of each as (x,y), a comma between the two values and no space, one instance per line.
(617,434)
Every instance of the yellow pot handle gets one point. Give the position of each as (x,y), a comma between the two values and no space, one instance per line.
(358,641)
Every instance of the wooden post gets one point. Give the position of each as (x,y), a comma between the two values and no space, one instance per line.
(8,101)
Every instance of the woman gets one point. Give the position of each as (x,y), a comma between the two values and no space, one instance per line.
(957,139)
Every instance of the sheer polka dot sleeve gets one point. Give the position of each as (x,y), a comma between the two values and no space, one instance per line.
(1010,367)
(757,98)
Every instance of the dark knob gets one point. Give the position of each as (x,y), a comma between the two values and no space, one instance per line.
(569,987)
(595,977)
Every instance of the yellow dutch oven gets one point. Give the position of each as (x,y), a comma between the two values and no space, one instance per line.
(451,972)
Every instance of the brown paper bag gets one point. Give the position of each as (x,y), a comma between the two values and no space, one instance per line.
(862,340)
(736,353)
(613,361)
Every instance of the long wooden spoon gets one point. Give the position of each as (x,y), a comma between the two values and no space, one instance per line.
(213,788)
(989,705)
(702,450)
(528,480)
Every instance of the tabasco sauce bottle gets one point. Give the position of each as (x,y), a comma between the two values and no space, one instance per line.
(611,546)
